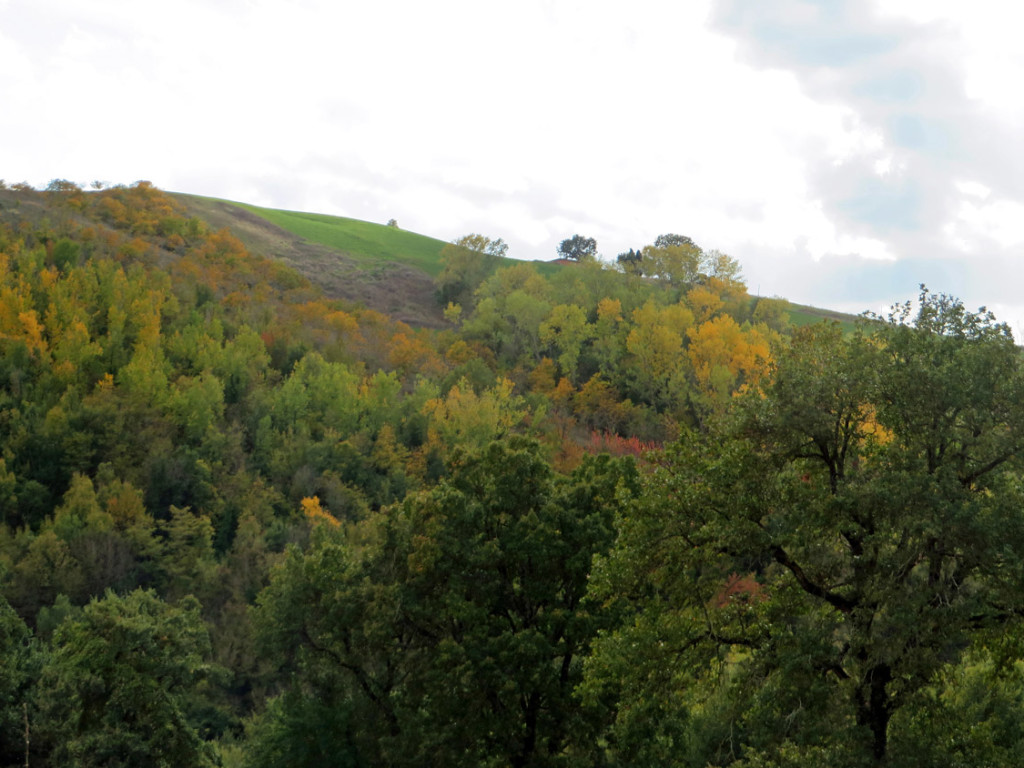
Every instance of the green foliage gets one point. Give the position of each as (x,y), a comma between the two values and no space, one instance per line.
(677,261)
(115,688)
(62,186)
(656,346)
(66,254)
(470,420)
(970,715)
(676,264)
(188,564)
(465,264)
(828,566)
(300,730)
(566,330)
(672,240)
(772,312)
(512,303)
(578,248)
(19,658)
(869,493)
(468,596)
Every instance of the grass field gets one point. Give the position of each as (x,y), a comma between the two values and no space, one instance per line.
(800,315)
(362,240)
(366,241)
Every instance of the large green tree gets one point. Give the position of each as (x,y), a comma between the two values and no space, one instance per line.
(578,248)
(465,264)
(803,572)
(115,689)
(18,663)
(455,634)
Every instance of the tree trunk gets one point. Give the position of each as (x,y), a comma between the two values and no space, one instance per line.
(530,713)
(873,710)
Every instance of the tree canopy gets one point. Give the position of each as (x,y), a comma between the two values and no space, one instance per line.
(578,248)
(244,523)
(838,541)
(469,597)
(116,691)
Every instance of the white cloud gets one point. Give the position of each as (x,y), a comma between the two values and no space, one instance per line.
(1002,221)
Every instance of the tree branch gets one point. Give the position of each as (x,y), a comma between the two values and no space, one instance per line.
(840,603)
(986,468)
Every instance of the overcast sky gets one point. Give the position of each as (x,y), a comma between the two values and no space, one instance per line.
(843,152)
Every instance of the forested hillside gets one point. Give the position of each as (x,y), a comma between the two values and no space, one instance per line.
(601,515)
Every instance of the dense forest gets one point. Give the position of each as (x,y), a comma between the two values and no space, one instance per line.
(614,514)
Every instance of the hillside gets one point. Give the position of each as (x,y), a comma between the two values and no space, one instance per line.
(361,263)
(372,265)
(385,269)
(617,510)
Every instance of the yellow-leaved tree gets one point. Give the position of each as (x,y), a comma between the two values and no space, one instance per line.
(728,357)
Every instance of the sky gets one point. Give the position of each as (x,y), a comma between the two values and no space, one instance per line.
(843,152)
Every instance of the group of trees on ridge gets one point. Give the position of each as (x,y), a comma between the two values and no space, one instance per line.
(620,515)
(635,351)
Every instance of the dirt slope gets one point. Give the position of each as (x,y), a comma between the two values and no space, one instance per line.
(403,292)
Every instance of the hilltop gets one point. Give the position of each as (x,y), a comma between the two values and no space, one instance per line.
(346,267)
(365,264)
(373,265)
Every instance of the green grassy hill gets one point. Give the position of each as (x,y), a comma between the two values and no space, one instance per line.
(374,265)
(370,265)
(365,241)
(800,315)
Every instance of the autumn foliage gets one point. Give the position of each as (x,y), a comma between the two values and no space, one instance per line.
(176,412)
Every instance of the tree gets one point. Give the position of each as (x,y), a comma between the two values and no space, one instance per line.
(656,351)
(566,329)
(62,186)
(113,691)
(810,565)
(772,312)
(187,562)
(19,666)
(676,264)
(629,262)
(512,304)
(578,248)
(455,634)
(679,261)
(723,267)
(465,264)
(671,240)
(727,357)
(464,418)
